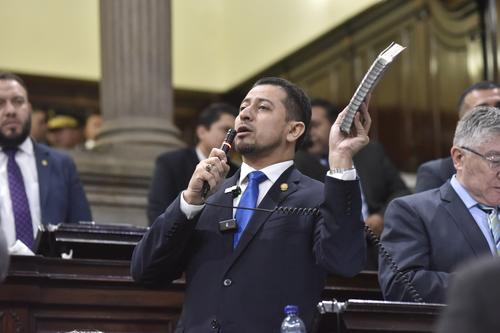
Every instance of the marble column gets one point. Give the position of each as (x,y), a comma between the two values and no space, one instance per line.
(137,108)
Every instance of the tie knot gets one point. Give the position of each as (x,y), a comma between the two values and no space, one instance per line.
(487,209)
(256,177)
(10,152)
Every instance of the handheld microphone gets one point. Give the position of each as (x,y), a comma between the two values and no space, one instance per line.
(225,147)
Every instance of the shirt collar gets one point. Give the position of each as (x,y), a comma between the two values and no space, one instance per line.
(200,155)
(467,199)
(26,147)
(272,172)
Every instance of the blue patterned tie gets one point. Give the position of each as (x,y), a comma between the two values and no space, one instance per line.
(20,206)
(493,223)
(249,200)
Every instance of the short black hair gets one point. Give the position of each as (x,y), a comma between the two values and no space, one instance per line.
(213,112)
(6,76)
(332,111)
(481,85)
(297,102)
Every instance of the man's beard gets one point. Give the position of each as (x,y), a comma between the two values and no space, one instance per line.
(15,141)
(249,149)
(245,149)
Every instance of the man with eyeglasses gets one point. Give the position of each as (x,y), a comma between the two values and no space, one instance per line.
(435,173)
(428,234)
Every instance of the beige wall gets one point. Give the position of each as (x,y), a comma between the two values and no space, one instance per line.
(216,43)
(50,37)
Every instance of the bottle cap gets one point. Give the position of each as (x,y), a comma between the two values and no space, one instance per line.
(291,309)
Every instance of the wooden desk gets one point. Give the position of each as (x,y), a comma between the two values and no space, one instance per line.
(377,316)
(54,295)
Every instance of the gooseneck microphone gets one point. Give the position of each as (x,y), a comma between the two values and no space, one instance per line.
(225,147)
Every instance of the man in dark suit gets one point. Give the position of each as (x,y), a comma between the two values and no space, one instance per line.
(473,302)
(174,169)
(380,180)
(38,185)
(239,279)
(429,234)
(433,174)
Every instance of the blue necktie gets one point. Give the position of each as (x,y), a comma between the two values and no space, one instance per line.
(249,200)
(20,206)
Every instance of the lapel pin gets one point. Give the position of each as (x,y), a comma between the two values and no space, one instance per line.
(283,187)
(45,163)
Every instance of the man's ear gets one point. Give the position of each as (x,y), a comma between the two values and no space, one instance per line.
(200,132)
(297,128)
(457,155)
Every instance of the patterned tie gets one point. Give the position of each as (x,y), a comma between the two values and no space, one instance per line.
(249,200)
(494,223)
(20,206)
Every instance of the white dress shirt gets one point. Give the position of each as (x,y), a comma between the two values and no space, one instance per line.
(273,172)
(25,158)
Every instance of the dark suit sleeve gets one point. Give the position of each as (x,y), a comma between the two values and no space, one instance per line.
(78,206)
(162,190)
(405,239)
(427,178)
(161,255)
(339,242)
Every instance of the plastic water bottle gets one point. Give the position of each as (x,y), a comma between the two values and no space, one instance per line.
(292,323)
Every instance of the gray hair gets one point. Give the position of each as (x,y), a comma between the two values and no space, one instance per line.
(477,126)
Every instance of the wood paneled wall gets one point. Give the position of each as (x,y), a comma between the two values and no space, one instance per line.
(414,105)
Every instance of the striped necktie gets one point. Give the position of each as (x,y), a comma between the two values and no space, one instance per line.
(493,222)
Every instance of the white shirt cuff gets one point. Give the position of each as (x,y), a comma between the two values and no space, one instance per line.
(350,174)
(190,210)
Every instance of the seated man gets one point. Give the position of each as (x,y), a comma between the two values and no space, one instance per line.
(428,234)
(242,266)
(380,180)
(38,185)
(435,173)
(174,169)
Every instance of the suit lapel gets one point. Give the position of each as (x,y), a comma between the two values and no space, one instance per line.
(464,220)
(274,197)
(43,165)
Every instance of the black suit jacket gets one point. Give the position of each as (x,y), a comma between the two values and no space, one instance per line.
(428,235)
(473,300)
(433,174)
(172,173)
(380,180)
(280,259)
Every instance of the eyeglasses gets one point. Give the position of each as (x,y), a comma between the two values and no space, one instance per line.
(492,159)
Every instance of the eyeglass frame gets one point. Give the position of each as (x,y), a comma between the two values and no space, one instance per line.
(493,164)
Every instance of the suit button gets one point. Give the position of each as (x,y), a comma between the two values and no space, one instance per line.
(227,282)
(214,324)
